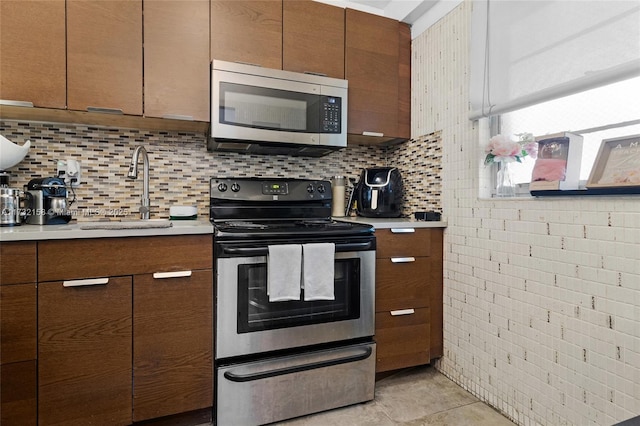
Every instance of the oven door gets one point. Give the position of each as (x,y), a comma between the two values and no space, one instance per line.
(247,323)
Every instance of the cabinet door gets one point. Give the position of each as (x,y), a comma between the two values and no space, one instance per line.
(104,55)
(18,393)
(371,66)
(173,344)
(313,38)
(18,319)
(33,65)
(17,262)
(176,59)
(247,31)
(84,353)
(17,354)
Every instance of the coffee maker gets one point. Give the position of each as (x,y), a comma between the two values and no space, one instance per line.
(46,202)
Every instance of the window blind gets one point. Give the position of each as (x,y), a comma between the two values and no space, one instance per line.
(527,52)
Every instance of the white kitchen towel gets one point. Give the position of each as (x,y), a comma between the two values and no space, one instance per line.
(284,269)
(317,265)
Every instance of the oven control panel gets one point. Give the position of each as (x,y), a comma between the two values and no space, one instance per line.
(277,189)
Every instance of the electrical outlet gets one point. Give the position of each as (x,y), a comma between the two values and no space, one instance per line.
(69,170)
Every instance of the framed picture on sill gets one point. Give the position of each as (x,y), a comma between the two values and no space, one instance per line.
(617,164)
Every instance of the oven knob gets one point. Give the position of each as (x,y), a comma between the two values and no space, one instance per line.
(222,187)
(321,188)
(310,188)
(235,187)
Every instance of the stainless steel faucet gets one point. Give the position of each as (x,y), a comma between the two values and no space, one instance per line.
(133,174)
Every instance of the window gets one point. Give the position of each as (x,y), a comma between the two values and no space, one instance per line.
(603,113)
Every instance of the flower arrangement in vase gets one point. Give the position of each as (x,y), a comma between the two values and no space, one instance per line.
(505,150)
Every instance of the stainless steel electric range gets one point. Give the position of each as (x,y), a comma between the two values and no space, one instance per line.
(294,301)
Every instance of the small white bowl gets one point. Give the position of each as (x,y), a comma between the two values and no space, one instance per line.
(11,154)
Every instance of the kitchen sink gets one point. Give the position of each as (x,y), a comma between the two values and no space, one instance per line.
(127,224)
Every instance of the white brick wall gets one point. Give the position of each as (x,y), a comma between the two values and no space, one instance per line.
(542,296)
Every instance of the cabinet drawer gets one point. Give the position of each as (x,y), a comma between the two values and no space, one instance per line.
(17,262)
(401,242)
(18,406)
(403,285)
(73,259)
(18,318)
(402,340)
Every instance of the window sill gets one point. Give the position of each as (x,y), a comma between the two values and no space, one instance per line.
(630,190)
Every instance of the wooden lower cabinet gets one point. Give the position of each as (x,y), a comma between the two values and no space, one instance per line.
(18,334)
(408,297)
(173,344)
(84,353)
(139,347)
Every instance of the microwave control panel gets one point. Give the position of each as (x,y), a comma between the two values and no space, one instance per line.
(330,114)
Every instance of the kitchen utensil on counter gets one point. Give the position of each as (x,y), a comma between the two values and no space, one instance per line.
(9,206)
(352,196)
(380,192)
(338,194)
(46,202)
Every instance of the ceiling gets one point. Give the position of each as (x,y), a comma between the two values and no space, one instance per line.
(408,11)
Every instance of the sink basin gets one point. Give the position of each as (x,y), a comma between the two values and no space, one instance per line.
(127,224)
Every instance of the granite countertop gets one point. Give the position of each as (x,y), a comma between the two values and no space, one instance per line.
(26,232)
(386,223)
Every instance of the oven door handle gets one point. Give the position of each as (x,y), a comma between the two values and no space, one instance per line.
(263,251)
(298,368)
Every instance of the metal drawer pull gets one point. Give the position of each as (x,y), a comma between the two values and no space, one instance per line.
(27,104)
(403,259)
(376,134)
(403,312)
(403,230)
(177,274)
(178,117)
(80,283)
(105,110)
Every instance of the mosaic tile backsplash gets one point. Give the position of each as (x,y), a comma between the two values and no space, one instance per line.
(181,166)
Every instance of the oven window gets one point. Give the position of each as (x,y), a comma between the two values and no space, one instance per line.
(256,313)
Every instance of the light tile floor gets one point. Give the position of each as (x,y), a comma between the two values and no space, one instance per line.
(417,397)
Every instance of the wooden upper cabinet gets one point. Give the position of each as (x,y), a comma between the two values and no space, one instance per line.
(104,55)
(372,58)
(176,59)
(404,82)
(247,31)
(32,52)
(313,38)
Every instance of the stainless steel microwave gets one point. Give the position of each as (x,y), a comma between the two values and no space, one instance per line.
(266,111)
